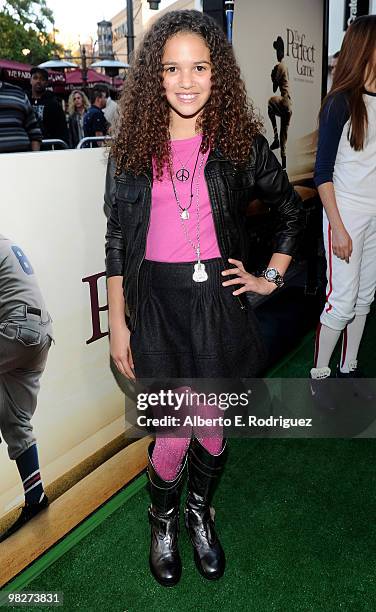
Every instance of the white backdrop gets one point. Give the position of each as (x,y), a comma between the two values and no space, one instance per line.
(52,206)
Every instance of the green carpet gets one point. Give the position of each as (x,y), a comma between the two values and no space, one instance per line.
(296,518)
(297,522)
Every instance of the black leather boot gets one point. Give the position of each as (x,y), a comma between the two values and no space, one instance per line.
(164,559)
(204,471)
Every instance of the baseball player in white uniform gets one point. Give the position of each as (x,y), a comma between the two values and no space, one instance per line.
(25,339)
(345,175)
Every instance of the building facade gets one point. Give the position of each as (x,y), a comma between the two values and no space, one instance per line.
(120,31)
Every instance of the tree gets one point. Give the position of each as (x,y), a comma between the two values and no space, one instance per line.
(27,24)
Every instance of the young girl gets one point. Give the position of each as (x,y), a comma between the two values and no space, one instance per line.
(345,174)
(187,161)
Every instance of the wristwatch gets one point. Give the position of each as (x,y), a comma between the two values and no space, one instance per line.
(273,276)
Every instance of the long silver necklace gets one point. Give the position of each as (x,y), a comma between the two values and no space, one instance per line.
(183,174)
(199,273)
(184,209)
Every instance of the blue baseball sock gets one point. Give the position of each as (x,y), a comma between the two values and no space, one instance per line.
(28,467)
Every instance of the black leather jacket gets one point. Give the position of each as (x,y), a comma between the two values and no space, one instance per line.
(128,203)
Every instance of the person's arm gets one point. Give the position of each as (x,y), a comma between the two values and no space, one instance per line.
(100,126)
(341,240)
(275,78)
(274,188)
(119,332)
(333,119)
(115,252)
(32,127)
(250,282)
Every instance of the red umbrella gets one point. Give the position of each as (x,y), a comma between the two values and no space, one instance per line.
(118,82)
(75,77)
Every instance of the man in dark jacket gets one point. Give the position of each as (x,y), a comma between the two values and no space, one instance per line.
(46,107)
(95,123)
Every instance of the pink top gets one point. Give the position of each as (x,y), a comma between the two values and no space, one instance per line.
(166,240)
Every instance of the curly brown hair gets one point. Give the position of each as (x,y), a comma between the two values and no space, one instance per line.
(228,121)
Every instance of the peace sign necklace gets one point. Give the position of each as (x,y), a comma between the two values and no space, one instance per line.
(183,173)
(184,215)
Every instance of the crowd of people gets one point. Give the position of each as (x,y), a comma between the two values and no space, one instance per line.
(27,119)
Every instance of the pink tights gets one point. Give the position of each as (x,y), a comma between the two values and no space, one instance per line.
(169,453)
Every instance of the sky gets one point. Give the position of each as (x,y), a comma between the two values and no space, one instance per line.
(77,19)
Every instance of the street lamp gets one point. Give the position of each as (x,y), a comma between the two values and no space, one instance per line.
(111,68)
(154,4)
(130,30)
(83,65)
(57,64)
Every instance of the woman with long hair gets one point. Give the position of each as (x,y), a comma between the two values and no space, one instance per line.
(187,159)
(78,104)
(345,174)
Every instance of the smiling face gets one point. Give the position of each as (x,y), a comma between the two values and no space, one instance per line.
(186,76)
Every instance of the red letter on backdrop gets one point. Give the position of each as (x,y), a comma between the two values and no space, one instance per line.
(95,308)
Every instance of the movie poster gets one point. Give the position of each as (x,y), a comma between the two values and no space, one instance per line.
(280,47)
(80,406)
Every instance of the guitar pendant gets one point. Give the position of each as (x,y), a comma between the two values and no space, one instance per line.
(184,214)
(200,275)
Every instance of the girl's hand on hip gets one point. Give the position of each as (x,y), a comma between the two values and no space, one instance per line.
(341,244)
(249,281)
(121,351)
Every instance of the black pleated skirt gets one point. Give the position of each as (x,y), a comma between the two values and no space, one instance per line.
(187,329)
